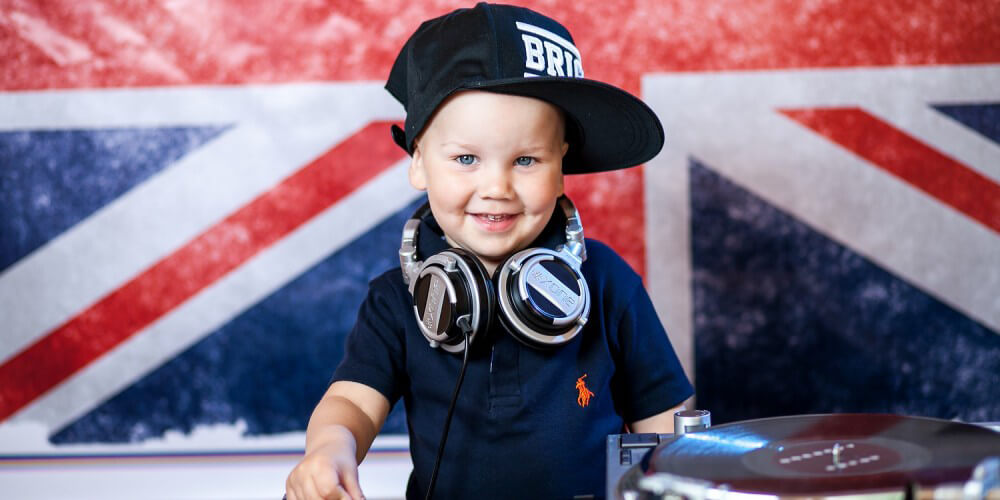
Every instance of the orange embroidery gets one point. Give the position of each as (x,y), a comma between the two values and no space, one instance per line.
(584,398)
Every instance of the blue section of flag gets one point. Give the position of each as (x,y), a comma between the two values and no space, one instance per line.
(788,321)
(268,366)
(983,118)
(52,179)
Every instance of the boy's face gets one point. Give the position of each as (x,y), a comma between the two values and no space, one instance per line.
(492,168)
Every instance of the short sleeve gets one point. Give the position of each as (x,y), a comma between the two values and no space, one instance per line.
(374,354)
(649,378)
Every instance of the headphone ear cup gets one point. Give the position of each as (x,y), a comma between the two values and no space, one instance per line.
(481,288)
(452,292)
(507,315)
(543,299)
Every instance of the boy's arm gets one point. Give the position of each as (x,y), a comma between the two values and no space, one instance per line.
(662,423)
(340,431)
(357,407)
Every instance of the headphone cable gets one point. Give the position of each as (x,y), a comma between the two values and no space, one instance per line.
(451,409)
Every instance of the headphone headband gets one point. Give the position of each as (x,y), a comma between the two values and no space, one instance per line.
(574,229)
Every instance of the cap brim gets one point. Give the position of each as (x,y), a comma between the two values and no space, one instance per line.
(616,129)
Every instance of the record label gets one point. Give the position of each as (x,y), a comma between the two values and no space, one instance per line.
(836,458)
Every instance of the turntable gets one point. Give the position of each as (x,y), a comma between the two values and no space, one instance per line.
(810,456)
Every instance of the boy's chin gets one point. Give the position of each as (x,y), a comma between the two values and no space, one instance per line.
(490,257)
(482,249)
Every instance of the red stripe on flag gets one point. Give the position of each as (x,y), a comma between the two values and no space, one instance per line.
(951,182)
(201,262)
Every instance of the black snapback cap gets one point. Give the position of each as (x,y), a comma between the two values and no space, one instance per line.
(513,50)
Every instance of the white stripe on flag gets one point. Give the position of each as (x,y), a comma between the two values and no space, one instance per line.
(275,131)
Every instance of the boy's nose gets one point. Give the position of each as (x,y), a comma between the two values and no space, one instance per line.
(495,182)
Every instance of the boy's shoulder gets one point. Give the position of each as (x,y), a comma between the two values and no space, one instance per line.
(612,281)
(604,260)
(389,279)
(600,250)
(389,288)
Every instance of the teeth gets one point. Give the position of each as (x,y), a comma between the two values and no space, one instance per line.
(494,218)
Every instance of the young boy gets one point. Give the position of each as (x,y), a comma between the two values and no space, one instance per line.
(556,338)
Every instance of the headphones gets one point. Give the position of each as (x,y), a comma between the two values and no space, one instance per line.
(539,295)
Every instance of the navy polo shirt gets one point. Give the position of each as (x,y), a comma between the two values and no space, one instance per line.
(523,426)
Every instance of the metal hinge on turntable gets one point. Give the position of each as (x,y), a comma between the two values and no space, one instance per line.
(624,451)
(636,442)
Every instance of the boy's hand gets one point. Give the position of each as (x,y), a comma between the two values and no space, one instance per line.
(340,430)
(327,472)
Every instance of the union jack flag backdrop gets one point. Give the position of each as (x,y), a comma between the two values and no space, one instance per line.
(195,194)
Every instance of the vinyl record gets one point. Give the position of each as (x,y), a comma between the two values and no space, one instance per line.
(826,454)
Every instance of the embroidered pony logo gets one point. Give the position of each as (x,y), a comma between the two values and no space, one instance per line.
(583,399)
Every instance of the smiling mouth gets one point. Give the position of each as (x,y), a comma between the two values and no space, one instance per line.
(494,217)
(495,222)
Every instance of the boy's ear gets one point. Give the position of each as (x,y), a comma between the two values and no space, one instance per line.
(562,187)
(417,172)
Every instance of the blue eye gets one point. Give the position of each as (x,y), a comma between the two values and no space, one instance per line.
(466,159)
(524,161)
